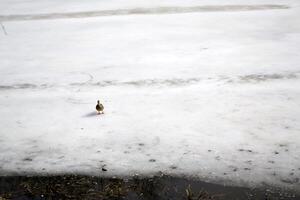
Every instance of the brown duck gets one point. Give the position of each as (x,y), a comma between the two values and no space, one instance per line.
(99,108)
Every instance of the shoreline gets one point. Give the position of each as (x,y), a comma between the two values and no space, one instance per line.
(136,187)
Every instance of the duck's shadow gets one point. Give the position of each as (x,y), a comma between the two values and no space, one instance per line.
(91,114)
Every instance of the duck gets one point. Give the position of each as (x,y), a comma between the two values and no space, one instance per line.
(99,108)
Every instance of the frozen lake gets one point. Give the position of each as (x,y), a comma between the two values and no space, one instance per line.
(203,88)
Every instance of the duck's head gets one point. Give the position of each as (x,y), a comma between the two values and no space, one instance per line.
(98,102)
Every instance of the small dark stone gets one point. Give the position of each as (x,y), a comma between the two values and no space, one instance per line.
(209,150)
(249,162)
(27,159)
(173,167)
(141,144)
(152,160)
(247,169)
(276,152)
(217,157)
(103,169)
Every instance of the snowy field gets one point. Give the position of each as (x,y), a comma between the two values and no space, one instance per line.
(208,89)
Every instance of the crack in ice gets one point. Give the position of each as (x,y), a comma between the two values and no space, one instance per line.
(251,78)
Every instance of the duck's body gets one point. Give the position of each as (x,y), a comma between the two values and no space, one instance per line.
(99,108)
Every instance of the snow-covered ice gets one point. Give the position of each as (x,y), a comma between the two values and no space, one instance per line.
(214,95)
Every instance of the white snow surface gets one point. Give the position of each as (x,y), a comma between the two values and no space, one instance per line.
(212,95)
